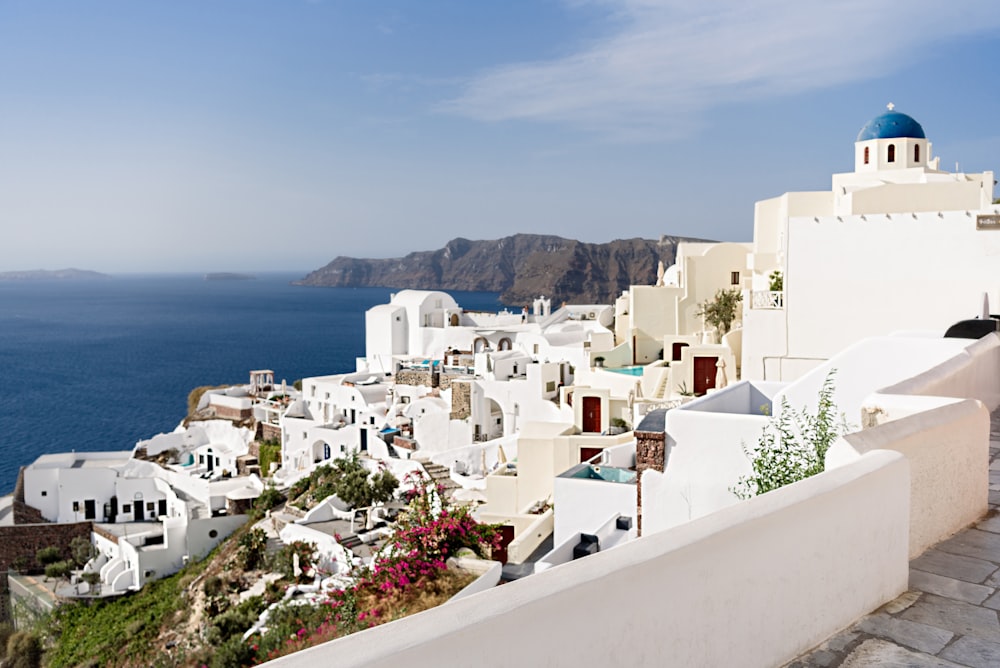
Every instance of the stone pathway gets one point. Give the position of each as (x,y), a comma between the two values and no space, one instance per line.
(949,617)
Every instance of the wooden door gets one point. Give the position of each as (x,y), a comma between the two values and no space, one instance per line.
(506,538)
(592,414)
(586,454)
(675,351)
(704,374)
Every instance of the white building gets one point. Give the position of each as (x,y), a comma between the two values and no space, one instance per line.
(897,244)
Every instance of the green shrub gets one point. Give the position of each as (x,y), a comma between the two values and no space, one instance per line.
(269,451)
(793,445)
(48,555)
(60,569)
(234,653)
(212,586)
(23,650)
(620,423)
(268,499)
(82,550)
(234,622)
(283,561)
(6,631)
(253,546)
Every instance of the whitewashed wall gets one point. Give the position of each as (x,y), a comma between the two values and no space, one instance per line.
(811,555)
(948,452)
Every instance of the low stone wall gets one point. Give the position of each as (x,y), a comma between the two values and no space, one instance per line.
(650,453)
(270,432)
(20,543)
(413,377)
(461,400)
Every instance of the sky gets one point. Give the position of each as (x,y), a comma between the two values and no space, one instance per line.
(257,135)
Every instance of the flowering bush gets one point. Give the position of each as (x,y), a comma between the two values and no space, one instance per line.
(407,575)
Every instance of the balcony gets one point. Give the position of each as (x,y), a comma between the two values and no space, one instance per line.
(767,300)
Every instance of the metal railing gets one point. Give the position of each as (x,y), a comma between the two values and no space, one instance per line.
(767,299)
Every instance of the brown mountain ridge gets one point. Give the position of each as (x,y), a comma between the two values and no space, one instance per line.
(520,267)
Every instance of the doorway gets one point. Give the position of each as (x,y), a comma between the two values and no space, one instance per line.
(704,374)
(592,414)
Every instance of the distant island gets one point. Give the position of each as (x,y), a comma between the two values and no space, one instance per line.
(520,267)
(228,276)
(51,275)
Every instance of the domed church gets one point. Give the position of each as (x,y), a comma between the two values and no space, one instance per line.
(896,244)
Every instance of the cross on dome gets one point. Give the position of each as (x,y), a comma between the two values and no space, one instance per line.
(890,106)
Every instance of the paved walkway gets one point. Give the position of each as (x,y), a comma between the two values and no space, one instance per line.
(949,617)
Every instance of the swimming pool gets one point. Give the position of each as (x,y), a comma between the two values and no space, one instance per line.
(630,370)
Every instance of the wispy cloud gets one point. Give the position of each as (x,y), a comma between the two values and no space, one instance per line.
(664,61)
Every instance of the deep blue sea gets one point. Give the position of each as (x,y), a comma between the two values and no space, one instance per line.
(100,364)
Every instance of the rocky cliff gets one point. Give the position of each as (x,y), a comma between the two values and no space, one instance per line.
(520,267)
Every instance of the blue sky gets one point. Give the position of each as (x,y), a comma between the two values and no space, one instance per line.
(259,135)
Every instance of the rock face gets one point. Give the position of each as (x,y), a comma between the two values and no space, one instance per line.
(520,267)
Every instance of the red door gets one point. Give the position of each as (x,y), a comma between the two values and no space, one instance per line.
(506,538)
(704,374)
(586,454)
(592,414)
(675,351)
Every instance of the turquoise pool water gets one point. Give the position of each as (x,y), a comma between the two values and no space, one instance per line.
(630,370)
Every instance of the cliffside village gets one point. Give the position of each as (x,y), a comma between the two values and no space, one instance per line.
(580,428)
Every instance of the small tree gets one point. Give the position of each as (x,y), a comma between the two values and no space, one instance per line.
(355,487)
(720,312)
(82,550)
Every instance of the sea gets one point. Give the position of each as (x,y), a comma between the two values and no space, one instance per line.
(100,364)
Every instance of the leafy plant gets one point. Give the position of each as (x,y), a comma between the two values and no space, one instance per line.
(82,550)
(269,452)
(59,569)
(620,423)
(48,555)
(284,559)
(776,280)
(793,445)
(720,312)
(24,650)
(268,499)
(683,390)
(253,546)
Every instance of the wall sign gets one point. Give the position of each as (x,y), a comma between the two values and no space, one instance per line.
(988,222)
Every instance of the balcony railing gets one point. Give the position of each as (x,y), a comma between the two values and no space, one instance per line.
(767,299)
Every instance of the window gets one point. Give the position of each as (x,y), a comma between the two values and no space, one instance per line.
(76,506)
(892,153)
(150,507)
(44,493)
(916,153)
(126,507)
(734,278)
(550,386)
(866,155)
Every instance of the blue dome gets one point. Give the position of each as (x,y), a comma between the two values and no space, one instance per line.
(891,125)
